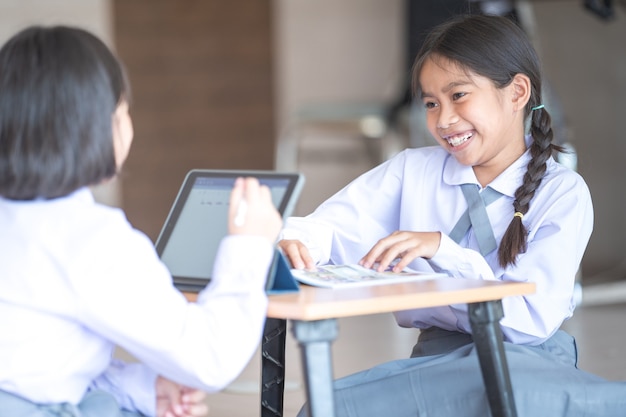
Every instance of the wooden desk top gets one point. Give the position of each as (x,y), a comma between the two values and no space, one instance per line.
(313,303)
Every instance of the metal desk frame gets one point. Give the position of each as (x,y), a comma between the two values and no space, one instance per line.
(315,337)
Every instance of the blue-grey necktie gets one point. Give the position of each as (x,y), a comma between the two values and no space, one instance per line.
(476,217)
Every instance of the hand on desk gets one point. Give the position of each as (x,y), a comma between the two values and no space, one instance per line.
(175,400)
(401,246)
(297,254)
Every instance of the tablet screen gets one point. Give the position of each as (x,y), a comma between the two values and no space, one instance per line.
(198,219)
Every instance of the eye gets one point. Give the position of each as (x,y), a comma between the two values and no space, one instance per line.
(459,95)
(430,104)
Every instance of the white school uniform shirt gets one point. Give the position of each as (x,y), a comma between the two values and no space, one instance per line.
(418,190)
(76,279)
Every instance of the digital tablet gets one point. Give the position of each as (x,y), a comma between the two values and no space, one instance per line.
(198,220)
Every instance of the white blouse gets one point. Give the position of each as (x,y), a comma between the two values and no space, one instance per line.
(76,279)
(418,190)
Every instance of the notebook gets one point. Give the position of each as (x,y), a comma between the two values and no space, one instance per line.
(198,220)
(354,275)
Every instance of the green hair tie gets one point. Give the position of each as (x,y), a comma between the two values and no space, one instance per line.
(541,106)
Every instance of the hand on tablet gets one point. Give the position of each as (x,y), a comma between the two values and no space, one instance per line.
(251,210)
(297,254)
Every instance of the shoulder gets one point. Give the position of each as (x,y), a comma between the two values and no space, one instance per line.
(420,159)
(425,153)
(561,179)
(100,231)
(409,163)
(93,217)
(70,240)
(563,194)
(110,224)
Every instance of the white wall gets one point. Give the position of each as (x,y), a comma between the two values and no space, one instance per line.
(93,15)
(331,51)
(585,60)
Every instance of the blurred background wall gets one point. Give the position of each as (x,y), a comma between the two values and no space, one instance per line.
(585,60)
(202,80)
(219,84)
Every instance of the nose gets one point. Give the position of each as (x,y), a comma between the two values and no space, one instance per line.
(446,117)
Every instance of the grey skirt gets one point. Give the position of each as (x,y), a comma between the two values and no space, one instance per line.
(443,378)
(93,404)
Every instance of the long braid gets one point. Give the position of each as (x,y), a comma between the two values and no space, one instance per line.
(497,48)
(514,240)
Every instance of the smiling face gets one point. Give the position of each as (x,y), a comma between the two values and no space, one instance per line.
(480,125)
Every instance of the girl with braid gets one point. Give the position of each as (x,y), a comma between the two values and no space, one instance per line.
(479,80)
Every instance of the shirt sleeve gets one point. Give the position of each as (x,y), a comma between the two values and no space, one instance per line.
(341,230)
(316,236)
(131,384)
(460,262)
(132,302)
(558,231)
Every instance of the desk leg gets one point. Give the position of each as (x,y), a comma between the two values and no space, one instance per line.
(485,320)
(315,338)
(273,368)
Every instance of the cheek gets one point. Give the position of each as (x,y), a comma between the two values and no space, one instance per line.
(431,124)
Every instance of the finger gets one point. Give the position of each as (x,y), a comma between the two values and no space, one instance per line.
(405,260)
(386,259)
(196,410)
(370,258)
(264,193)
(306,257)
(415,245)
(398,257)
(191,395)
(178,409)
(375,254)
(405,250)
(297,254)
(236,215)
(384,252)
(237,193)
(395,252)
(251,192)
(168,394)
(194,402)
(292,251)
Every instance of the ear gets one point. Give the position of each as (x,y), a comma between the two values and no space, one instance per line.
(522,89)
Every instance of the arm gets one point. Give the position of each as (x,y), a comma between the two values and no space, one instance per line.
(560,222)
(343,228)
(132,303)
(132,385)
(127,382)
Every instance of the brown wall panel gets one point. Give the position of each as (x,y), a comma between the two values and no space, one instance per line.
(201,78)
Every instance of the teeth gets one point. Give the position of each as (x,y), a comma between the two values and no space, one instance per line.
(457,140)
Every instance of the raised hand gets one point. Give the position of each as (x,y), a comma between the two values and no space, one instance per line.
(251,210)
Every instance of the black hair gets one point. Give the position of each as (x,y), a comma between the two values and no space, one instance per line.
(497,48)
(59,88)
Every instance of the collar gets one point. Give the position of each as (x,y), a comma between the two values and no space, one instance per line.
(83,195)
(506,183)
